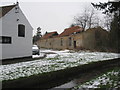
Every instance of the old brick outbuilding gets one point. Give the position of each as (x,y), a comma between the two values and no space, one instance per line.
(75,38)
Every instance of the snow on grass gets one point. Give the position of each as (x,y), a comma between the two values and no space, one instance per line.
(51,55)
(38,56)
(55,61)
(54,51)
(108,80)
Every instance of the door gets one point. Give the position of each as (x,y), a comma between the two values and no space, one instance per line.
(74,44)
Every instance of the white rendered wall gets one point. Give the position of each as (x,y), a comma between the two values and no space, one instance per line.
(0,46)
(20,46)
(0,35)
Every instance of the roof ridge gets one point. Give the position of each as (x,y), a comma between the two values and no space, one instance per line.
(8,6)
(70,30)
(51,32)
(48,35)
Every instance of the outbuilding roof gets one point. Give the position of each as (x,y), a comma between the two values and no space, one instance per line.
(71,30)
(50,35)
(5,9)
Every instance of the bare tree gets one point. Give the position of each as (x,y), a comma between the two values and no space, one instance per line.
(108,20)
(82,19)
(87,19)
(90,18)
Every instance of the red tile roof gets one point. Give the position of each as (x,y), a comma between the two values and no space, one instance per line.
(5,9)
(50,35)
(72,30)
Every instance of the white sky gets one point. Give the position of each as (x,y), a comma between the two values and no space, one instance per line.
(51,15)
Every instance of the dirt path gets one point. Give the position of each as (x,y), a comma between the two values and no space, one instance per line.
(57,78)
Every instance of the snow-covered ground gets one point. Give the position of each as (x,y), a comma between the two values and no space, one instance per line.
(108,80)
(55,61)
(38,56)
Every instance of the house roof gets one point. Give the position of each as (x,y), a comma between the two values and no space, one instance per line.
(50,35)
(5,9)
(71,30)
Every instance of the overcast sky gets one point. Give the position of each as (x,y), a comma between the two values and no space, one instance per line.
(51,15)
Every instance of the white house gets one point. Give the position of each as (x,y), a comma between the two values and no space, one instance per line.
(15,33)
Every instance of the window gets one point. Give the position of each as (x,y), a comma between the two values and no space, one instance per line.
(61,42)
(50,43)
(21,30)
(5,40)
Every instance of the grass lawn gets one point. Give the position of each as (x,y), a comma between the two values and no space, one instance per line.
(109,80)
(58,60)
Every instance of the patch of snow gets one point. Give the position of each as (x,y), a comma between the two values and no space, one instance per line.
(37,56)
(51,55)
(54,51)
(59,60)
(105,79)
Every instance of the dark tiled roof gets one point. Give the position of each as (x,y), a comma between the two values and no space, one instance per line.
(72,30)
(50,35)
(5,9)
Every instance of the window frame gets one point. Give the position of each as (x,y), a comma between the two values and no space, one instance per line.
(21,30)
(5,40)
